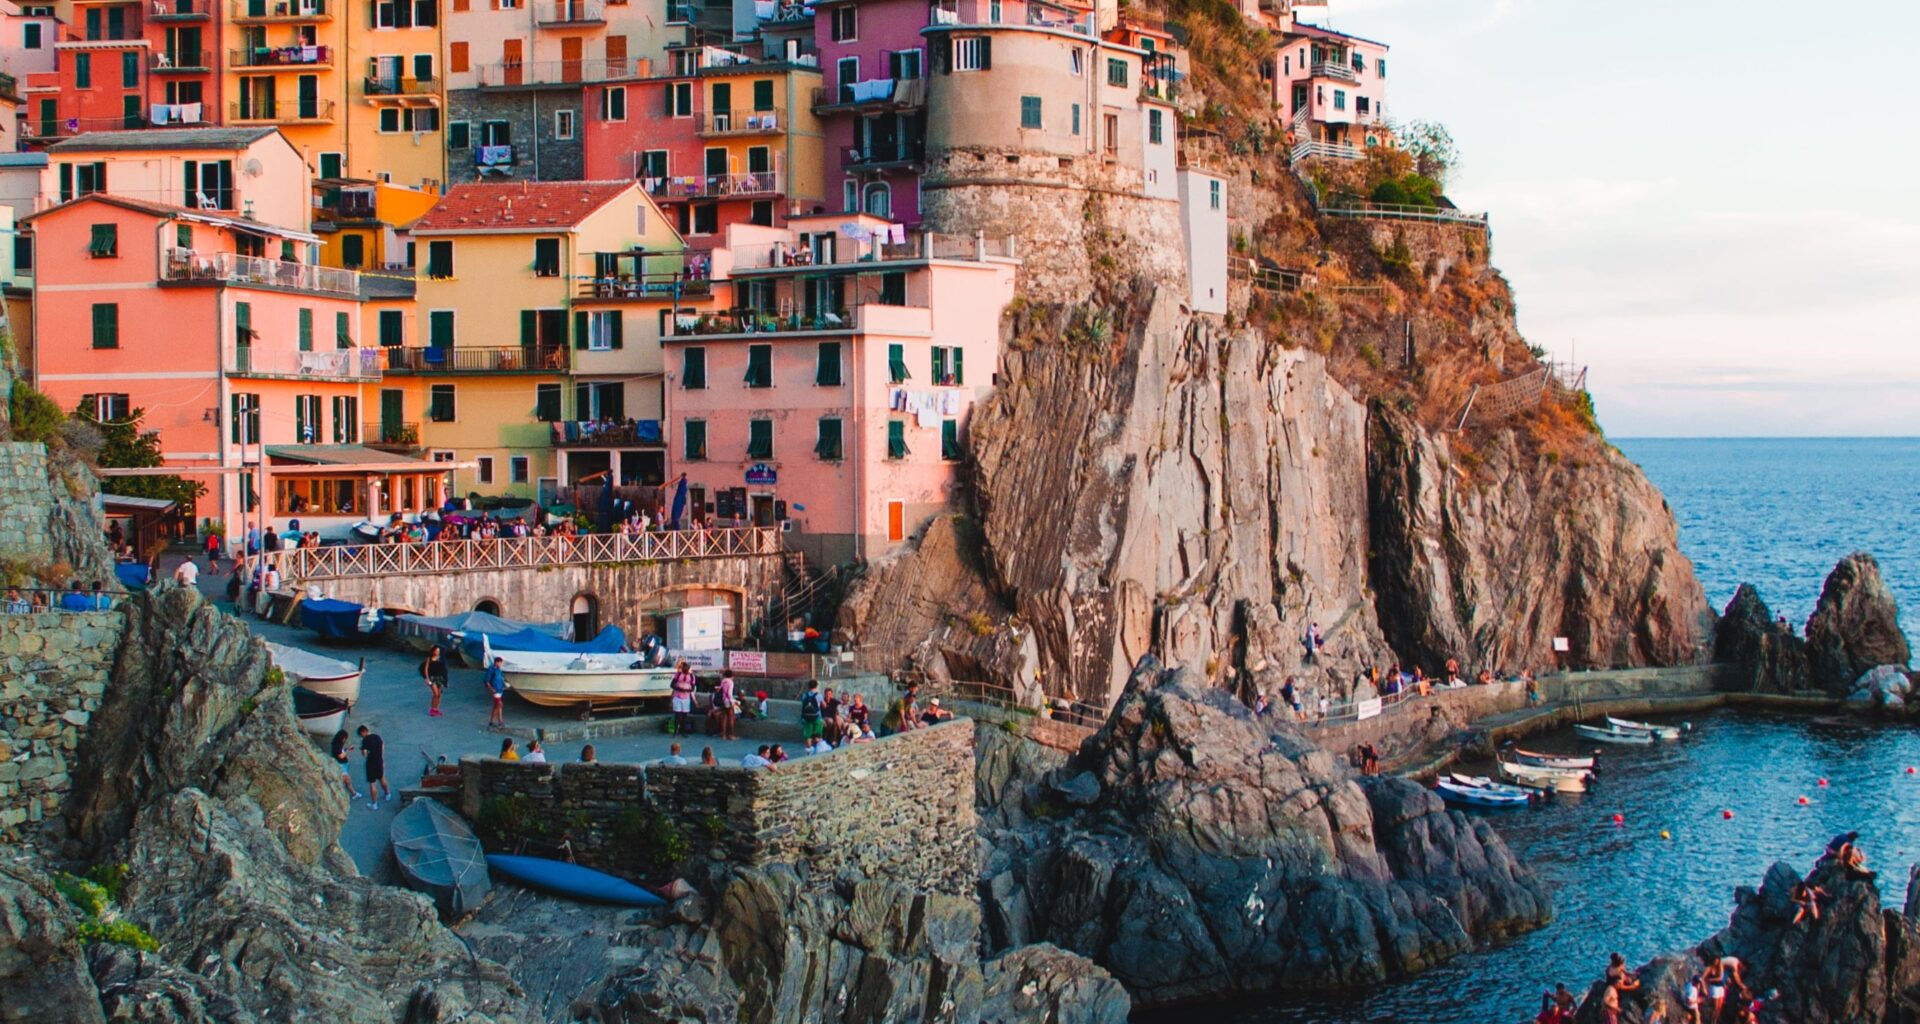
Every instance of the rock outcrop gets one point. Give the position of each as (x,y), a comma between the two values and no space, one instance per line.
(1218,855)
(1855,627)
(1760,654)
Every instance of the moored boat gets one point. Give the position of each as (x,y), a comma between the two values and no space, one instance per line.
(319,714)
(1659,732)
(330,677)
(566,879)
(1482,782)
(440,856)
(1551,760)
(1474,796)
(1558,780)
(563,680)
(1630,737)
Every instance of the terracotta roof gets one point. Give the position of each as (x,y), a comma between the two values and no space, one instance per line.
(163,138)
(518,206)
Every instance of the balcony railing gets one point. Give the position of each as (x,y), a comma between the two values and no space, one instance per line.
(698,324)
(381,86)
(743,122)
(66,128)
(496,155)
(1329,69)
(181,10)
(896,154)
(281,56)
(349,561)
(191,61)
(572,12)
(461,359)
(649,286)
(1307,150)
(186,265)
(390,434)
(258,11)
(291,112)
(919,245)
(589,434)
(277,361)
(872,93)
(709,186)
(535,72)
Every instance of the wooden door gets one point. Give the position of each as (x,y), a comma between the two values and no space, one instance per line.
(512,62)
(896,521)
(570,51)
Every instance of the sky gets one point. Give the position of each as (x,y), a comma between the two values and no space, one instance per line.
(1714,205)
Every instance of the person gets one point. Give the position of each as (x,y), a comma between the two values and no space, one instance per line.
(15,604)
(535,753)
(1692,996)
(820,746)
(673,755)
(187,574)
(73,600)
(340,755)
(1290,696)
(830,718)
(857,715)
(1369,759)
(588,755)
(507,753)
(1563,999)
(434,671)
(1610,1005)
(497,685)
(935,714)
(725,704)
(1262,707)
(1325,706)
(1311,642)
(1533,688)
(1715,977)
(1618,975)
(1806,900)
(900,715)
(1730,968)
(865,735)
(373,751)
(759,758)
(707,759)
(1549,1013)
(683,687)
(760,704)
(811,712)
(213,552)
(778,754)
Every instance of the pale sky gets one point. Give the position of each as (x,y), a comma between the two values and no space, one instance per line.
(1717,202)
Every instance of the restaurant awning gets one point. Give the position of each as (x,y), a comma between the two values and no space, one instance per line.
(349,458)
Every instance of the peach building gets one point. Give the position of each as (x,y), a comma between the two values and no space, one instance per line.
(1331,89)
(252,172)
(833,395)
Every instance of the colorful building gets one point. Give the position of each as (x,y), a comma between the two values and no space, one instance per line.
(394,109)
(253,172)
(1331,89)
(541,304)
(365,225)
(832,394)
(873,103)
(120,64)
(283,64)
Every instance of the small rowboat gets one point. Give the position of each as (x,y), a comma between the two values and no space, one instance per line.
(1473,796)
(1659,732)
(328,676)
(319,714)
(1552,760)
(572,880)
(1482,782)
(1558,780)
(564,680)
(1628,736)
(439,855)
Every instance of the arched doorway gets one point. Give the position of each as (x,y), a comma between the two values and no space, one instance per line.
(488,605)
(586,616)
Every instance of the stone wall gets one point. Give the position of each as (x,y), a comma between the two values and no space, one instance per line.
(537,155)
(50,515)
(899,808)
(54,668)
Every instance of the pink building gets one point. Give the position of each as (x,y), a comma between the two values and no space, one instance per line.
(834,394)
(873,102)
(1331,89)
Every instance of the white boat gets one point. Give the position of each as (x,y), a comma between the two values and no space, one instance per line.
(1476,797)
(321,674)
(564,679)
(1609,735)
(319,714)
(1551,760)
(1536,777)
(1482,782)
(1659,732)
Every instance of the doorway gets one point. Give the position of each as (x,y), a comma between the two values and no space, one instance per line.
(896,521)
(586,617)
(762,509)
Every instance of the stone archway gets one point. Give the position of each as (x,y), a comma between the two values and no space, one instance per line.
(585,611)
(487,605)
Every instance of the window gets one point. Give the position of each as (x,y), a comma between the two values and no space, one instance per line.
(459,134)
(759,439)
(613,103)
(897,364)
(877,199)
(105,243)
(897,439)
(342,330)
(306,419)
(130,70)
(109,408)
(208,184)
(440,403)
(845,24)
(680,100)
(694,433)
(974,53)
(948,365)
(826,372)
(30,35)
(827,444)
(563,125)
(392,328)
(1380,67)
(893,288)
(849,195)
(83,70)
(496,133)
(693,368)
(1214,198)
(759,366)
(1076,119)
(518,466)
(246,419)
(23,252)
(1339,99)
(760,212)
(1156,131)
(306,329)
(82,179)
(847,72)
(440,259)
(904,65)
(243,324)
(1116,72)
(346,419)
(950,440)
(1076,61)
(706,218)
(1029,111)
(483,468)
(331,164)
(353,251)
(546,403)
(546,257)
(423,67)
(394,120)
(106,325)
(1359,61)
(763,94)
(1112,124)
(603,330)
(993,12)
(653,164)
(440,328)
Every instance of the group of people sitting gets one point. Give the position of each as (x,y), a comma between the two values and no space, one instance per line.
(73,599)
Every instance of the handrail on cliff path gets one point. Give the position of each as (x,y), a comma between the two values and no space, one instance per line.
(351,561)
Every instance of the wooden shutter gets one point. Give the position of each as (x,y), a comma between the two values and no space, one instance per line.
(619,329)
(457,52)
(581,327)
(529,327)
(190,176)
(986,52)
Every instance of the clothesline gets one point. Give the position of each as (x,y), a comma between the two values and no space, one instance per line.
(927,407)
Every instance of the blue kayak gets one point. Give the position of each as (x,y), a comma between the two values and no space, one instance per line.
(558,876)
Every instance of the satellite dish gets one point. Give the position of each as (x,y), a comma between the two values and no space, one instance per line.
(252,169)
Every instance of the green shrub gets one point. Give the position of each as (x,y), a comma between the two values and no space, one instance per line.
(645,839)
(35,417)
(124,933)
(111,877)
(90,898)
(505,820)
(1391,192)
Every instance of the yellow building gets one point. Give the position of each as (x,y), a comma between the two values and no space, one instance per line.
(508,367)
(365,225)
(396,95)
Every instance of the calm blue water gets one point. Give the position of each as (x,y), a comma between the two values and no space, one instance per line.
(1778,513)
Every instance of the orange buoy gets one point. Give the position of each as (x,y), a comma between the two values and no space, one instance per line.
(1803,801)
(1726,815)
(1823,783)
(1619,819)
(1909,769)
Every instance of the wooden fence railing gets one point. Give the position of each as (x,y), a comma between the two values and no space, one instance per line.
(349,561)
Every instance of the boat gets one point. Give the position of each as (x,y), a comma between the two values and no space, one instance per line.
(1551,760)
(319,714)
(340,620)
(563,680)
(1482,782)
(562,878)
(1611,735)
(1557,780)
(1660,732)
(440,856)
(323,675)
(1473,796)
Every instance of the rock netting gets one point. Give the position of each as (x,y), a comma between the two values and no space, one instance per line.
(54,670)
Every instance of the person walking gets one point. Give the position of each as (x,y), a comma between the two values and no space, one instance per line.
(811,712)
(434,671)
(683,687)
(723,700)
(340,756)
(497,685)
(213,553)
(374,750)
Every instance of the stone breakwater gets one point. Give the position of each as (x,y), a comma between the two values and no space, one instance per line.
(54,669)
(899,808)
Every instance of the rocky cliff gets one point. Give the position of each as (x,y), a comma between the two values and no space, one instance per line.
(1853,647)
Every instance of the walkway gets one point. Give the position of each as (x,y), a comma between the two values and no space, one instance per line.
(350,561)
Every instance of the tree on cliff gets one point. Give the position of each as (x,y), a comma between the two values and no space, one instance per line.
(123,445)
(1432,146)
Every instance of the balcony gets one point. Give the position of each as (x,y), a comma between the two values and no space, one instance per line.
(589,434)
(649,287)
(1337,72)
(717,186)
(181,10)
(866,317)
(884,155)
(180,62)
(547,72)
(267,12)
(391,435)
(185,266)
(742,122)
(354,364)
(313,112)
(382,86)
(461,359)
(306,57)
(570,13)
(856,257)
(873,94)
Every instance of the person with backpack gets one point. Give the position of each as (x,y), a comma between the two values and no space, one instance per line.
(683,687)
(724,702)
(812,718)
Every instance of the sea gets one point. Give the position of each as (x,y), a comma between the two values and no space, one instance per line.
(1777,513)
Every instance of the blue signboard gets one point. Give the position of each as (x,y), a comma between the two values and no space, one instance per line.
(762,475)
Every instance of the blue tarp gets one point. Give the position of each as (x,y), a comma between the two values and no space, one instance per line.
(133,575)
(610,640)
(335,620)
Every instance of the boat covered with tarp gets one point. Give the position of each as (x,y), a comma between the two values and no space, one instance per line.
(420,632)
(340,620)
(440,856)
(610,640)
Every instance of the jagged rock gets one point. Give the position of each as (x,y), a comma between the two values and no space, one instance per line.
(1044,984)
(141,987)
(1228,855)
(1855,627)
(1759,654)
(42,975)
(1885,687)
